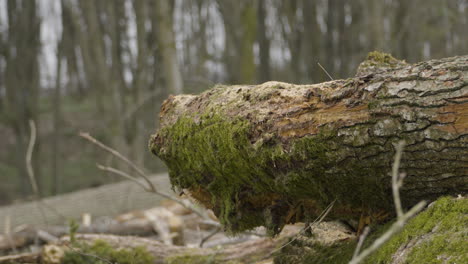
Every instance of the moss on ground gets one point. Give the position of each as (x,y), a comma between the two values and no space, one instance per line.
(300,252)
(100,252)
(440,233)
(191,259)
(198,259)
(445,224)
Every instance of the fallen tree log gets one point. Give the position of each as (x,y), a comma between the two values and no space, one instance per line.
(278,153)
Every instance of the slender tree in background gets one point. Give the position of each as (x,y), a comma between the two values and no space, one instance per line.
(263,43)
(239,21)
(22,81)
(57,112)
(166,40)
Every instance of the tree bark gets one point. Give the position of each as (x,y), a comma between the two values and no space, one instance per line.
(277,153)
(166,40)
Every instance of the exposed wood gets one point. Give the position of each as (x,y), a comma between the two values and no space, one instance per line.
(276,153)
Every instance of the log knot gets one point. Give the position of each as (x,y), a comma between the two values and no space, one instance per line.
(378,62)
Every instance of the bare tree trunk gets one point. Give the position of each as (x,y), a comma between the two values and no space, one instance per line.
(277,153)
(239,20)
(166,40)
(22,79)
(134,124)
(312,43)
(263,43)
(55,182)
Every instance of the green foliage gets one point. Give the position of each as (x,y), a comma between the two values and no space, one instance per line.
(100,252)
(73,228)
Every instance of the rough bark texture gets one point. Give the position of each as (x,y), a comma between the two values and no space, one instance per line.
(276,153)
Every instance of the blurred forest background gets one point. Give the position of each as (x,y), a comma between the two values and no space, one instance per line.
(105,66)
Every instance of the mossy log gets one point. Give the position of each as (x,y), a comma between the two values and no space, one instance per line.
(278,153)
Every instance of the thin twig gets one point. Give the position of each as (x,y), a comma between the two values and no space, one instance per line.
(361,241)
(29,168)
(396,227)
(317,220)
(30,171)
(329,76)
(210,235)
(123,174)
(32,177)
(126,175)
(396,179)
(120,156)
(187,205)
(402,218)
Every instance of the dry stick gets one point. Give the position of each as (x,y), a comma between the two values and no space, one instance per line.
(315,222)
(126,175)
(32,177)
(165,195)
(210,235)
(396,179)
(401,220)
(397,226)
(329,76)
(29,169)
(123,174)
(7,232)
(361,241)
(150,188)
(120,156)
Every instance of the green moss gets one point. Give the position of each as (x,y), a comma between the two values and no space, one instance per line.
(198,259)
(441,229)
(447,217)
(190,259)
(101,250)
(217,155)
(381,58)
(315,253)
(252,186)
(378,60)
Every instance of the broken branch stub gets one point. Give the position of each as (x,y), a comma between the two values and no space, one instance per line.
(278,153)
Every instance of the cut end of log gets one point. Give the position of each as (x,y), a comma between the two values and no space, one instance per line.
(277,153)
